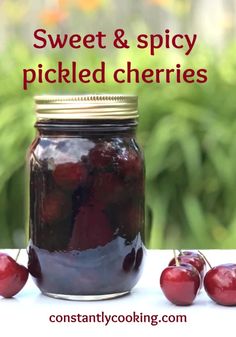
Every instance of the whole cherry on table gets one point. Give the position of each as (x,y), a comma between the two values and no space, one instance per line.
(180,282)
(13,276)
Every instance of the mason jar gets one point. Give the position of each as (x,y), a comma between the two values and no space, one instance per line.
(86,197)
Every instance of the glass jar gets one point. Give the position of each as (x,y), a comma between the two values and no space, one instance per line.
(86,197)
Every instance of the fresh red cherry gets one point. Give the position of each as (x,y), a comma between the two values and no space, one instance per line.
(180,284)
(13,276)
(220,284)
(192,258)
(70,175)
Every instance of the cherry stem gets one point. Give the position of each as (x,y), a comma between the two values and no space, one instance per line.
(180,252)
(176,259)
(206,260)
(18,253)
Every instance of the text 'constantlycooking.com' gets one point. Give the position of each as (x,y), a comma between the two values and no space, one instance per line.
(107,319)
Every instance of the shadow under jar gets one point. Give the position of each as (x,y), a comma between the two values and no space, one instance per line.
(86,197)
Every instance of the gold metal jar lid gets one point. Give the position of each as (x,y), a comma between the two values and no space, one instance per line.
(100,106)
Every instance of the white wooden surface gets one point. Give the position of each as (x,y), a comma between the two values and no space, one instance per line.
(28,313)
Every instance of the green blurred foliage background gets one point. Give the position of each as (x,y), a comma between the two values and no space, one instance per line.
(187,130)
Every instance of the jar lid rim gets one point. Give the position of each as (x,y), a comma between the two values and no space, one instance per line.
(85,98)
(86,106)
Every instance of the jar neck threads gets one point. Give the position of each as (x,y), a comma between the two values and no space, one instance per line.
(87,127)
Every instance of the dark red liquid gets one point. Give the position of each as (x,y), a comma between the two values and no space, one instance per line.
(86,214)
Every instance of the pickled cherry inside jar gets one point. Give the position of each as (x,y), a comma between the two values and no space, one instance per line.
(86,197)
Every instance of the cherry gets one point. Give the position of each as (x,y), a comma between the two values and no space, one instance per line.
(180,283)
(55,206)
(133,223)
(129,260)
(106,187)
(34,264)
(139,258)
(129,163)
(70,175)
(192,258)
(220,284)
(102,155)
(13,276)
(91,228)
(133,260)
